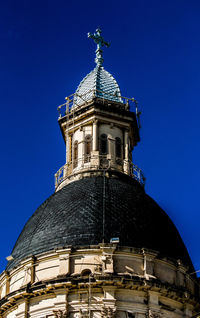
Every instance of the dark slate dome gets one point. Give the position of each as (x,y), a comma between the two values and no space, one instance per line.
(74,216)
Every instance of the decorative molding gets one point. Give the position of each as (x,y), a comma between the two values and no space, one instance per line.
(60,313)
(152,314)
(108,312)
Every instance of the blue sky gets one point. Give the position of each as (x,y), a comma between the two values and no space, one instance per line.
(154,56)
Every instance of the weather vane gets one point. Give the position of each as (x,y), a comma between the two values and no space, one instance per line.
(99,40)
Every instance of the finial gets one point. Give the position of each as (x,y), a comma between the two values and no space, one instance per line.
(99,40)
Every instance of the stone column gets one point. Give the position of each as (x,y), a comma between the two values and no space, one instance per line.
(67,147)
(126,145)
(83,147)
(72,149)
(95,135)
(83,142)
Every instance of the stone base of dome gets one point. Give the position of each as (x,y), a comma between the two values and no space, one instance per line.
(98,281)
(90,173)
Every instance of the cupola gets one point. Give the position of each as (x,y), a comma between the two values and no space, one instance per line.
(100,127)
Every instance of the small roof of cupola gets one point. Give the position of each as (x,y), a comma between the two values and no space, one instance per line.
(98,126)
(99,82)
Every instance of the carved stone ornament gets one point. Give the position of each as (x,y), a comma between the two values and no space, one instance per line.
(153,315)
(60,313)
(107,312)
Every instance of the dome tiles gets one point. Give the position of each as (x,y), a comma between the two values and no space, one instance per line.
(73,216)
(98,83)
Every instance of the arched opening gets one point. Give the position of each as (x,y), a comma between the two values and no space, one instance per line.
(103,147)
(86,273)
(88,147)
(75,157)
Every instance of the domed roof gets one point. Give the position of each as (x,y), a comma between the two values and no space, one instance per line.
(74,216)
(98,83)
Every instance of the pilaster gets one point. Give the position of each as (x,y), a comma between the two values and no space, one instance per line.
(107,259)
(109,301)
(153,305)
(33,264)
(64,262)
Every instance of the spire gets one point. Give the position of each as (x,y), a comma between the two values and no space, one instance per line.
(99,40)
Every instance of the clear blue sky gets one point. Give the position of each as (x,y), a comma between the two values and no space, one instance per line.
(154,56)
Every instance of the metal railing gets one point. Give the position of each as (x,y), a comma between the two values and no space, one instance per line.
(137,174)
(76,101)
(101,163)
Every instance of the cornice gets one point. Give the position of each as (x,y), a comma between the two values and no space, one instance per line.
(97,283)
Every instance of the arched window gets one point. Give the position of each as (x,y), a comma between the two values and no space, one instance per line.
(103,144)
(88,147)
(118,147)
(75,157)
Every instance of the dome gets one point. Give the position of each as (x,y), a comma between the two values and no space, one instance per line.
(98,83)
(74,216)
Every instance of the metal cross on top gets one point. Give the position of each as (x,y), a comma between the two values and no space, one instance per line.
(99,40)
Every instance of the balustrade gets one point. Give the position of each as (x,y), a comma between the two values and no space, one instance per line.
(98,162)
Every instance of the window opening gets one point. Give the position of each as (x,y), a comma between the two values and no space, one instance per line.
(88,148)
(118,147)
(103,144)
(130,315)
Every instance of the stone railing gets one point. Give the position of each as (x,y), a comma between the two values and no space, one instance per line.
(100,163)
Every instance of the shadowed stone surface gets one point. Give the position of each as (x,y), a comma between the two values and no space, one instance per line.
(74,216)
